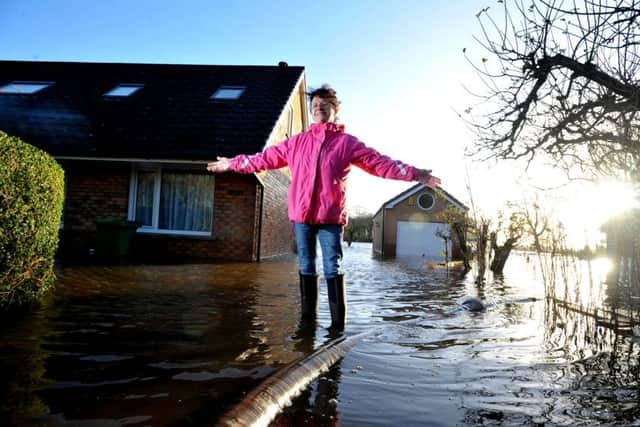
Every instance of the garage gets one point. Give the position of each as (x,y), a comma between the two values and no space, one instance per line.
(420,239)
(406,225)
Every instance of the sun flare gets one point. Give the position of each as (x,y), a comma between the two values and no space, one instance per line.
(610,198)
(593,206)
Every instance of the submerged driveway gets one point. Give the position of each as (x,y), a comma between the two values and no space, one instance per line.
(164,345)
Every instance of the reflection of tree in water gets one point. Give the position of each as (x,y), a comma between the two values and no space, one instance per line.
(598,384)
(623,283)
(604,367)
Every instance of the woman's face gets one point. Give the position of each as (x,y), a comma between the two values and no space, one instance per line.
(322,111)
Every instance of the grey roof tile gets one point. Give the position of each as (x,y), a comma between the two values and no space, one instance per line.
(171,117)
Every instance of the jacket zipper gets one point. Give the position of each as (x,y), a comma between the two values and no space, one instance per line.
(315,179)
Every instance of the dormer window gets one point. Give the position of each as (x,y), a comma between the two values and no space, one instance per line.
(24,87)
(123,90)
(228,92)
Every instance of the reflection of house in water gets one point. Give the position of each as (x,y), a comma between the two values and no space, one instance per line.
(134,141)
(411,224)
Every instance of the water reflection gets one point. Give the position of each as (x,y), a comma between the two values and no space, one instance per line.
(167,345)
(116,343)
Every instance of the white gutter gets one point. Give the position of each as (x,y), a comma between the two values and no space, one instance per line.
(130,160)
(393,202)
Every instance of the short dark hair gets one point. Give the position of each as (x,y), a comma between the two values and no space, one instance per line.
(327,93)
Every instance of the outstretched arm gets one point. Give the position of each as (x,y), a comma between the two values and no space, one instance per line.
(273,157)
(373,162)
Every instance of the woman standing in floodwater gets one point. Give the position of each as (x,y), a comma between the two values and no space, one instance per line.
(320,160)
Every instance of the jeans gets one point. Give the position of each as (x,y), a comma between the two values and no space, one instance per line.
(330,237)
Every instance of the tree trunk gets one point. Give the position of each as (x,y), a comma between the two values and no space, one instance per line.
(500,253)
(464,248)
(483,230)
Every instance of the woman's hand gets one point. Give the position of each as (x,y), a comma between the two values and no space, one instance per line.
(222,164)
(425,177)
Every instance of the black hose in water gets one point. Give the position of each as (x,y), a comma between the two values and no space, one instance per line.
(275,393)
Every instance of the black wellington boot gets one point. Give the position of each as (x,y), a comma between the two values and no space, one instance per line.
(337,301)
(308,296)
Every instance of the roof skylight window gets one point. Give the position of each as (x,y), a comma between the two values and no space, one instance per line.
(228,92)
(24,87)
(123,90)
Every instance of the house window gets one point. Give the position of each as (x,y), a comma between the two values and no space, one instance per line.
(426,201)
(172,202)
(123,90)
(23,87)
(228,92)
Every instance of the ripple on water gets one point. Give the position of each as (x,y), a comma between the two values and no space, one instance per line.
(79,384)
(105,358)
(184,342)
(60,419)
(224,373)
(179,365)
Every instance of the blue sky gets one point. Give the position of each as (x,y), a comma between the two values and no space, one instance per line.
(397,65)
(384,58)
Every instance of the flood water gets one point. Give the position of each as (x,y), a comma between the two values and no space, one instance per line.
(180,345)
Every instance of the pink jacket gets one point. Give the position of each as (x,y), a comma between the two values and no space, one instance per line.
(320,160)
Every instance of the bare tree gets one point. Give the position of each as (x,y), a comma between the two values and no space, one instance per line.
(458,228)
(481,248)
(513,231)
(561,80)
(359,227)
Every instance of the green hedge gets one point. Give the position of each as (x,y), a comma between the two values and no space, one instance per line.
(31,196)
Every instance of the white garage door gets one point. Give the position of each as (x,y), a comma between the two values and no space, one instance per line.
(419,239)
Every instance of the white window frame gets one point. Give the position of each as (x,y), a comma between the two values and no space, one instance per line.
(123,90)
(433,201)
(153,228)
(228,92)
(24,87)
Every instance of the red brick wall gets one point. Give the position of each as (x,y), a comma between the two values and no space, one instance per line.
(95,189)
(100,189)
(277,234)
(92,190)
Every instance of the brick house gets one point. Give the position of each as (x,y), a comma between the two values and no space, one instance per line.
(409,225)
(134,140)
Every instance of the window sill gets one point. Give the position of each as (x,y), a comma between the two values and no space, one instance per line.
(176,233)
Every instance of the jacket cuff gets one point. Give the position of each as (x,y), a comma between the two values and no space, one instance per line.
(238,163)
(413,174)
